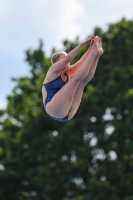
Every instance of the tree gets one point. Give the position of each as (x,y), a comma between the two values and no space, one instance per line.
(89,157)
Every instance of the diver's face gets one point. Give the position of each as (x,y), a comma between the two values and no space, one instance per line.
(62,56)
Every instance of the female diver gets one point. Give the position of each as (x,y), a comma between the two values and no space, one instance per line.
(64,83)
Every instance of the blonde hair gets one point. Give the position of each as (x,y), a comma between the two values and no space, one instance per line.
(56,56)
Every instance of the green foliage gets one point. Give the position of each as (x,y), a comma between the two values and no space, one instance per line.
(89,157)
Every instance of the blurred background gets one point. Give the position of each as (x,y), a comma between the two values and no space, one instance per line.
(90,156)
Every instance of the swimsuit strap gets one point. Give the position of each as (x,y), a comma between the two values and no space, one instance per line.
(66,76)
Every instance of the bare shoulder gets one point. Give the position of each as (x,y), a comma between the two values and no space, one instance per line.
(50,76)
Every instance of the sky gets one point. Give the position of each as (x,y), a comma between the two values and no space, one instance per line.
(23,23)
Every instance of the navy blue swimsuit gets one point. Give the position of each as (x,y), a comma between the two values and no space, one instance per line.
(52,88)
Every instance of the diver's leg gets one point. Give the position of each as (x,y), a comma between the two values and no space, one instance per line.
(62,101)
(79,92)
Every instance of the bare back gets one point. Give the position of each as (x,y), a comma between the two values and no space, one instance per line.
(52,76)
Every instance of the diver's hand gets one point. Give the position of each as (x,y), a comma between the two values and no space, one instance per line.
(88,40)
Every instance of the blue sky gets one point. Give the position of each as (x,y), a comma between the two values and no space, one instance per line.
(23,23)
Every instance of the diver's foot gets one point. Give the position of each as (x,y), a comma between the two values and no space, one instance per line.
(97,47)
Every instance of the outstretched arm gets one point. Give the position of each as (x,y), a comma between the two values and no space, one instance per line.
(74,68)
(56,67)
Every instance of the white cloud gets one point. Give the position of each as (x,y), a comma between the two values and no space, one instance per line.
(23,22)
(66,21)
(28,21)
